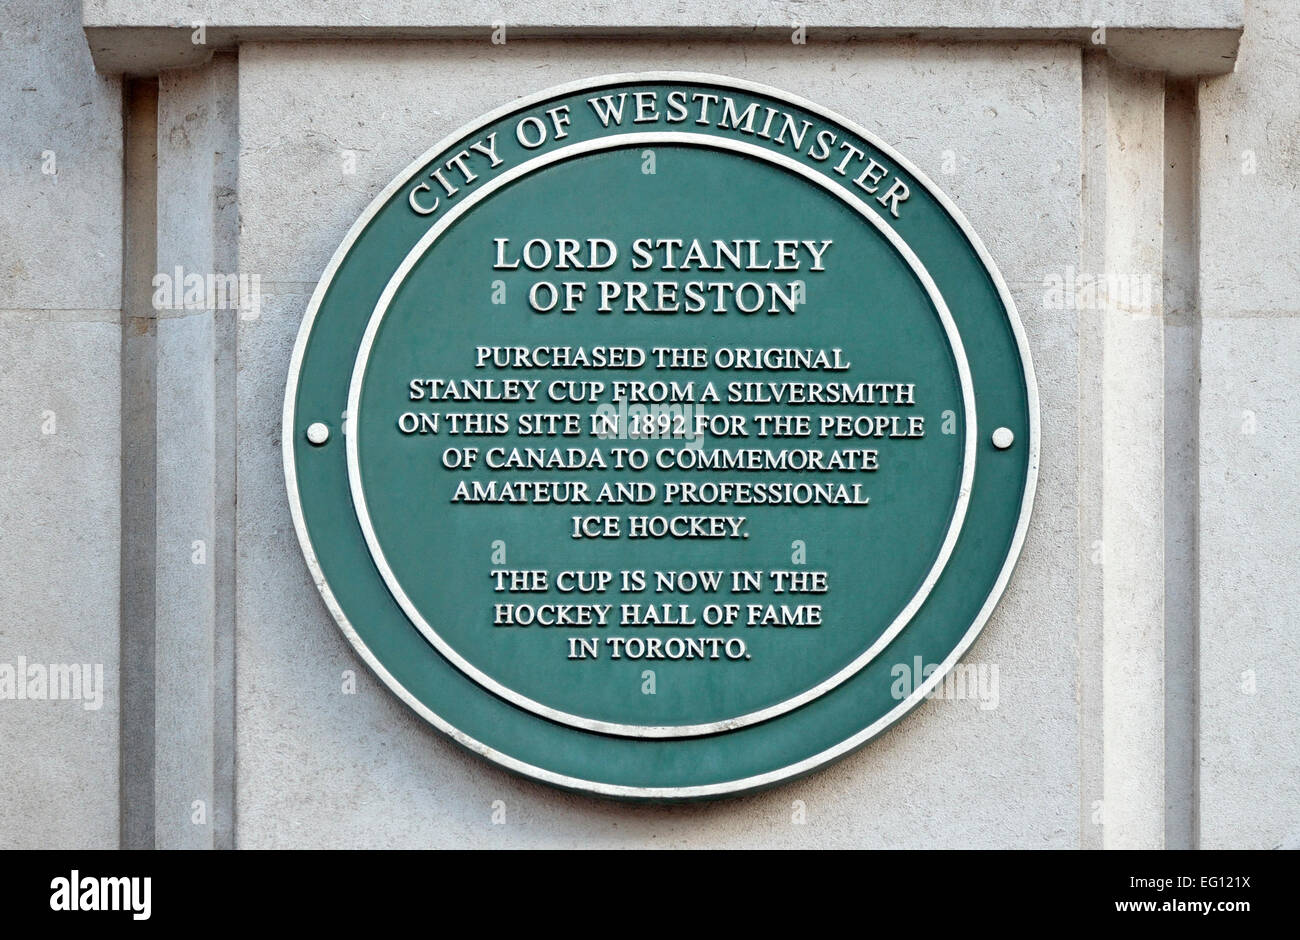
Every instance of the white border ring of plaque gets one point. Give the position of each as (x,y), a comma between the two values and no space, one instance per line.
(457,723)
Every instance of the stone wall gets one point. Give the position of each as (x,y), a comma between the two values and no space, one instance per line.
(1143,645)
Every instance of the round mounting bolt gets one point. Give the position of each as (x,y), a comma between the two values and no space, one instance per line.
(1003,438)
(318,433)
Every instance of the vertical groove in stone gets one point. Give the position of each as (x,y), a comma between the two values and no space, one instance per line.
(139,450)
(1092,246)
(1182,387)
(225,221)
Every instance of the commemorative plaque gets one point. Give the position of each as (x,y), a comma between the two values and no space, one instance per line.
(640,433)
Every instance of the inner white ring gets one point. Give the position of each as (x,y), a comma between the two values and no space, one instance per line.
(616,728)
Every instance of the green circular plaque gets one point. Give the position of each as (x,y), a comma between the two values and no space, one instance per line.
(661,436)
